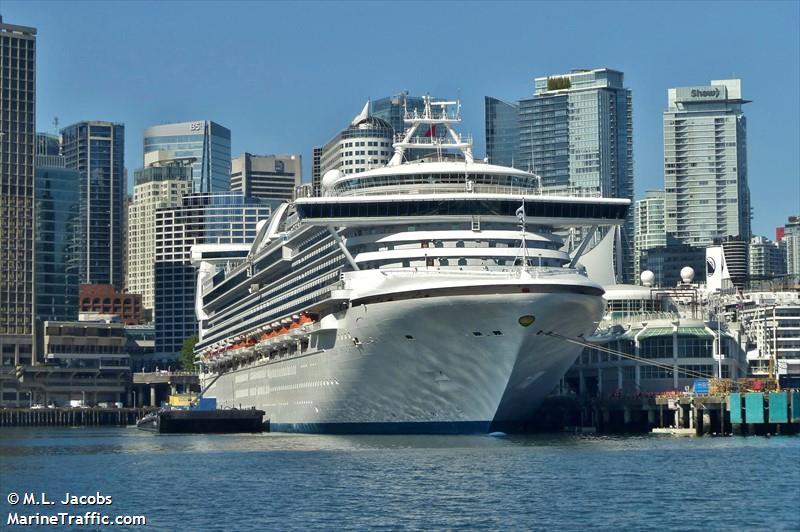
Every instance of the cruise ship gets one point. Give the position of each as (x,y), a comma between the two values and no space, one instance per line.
(409,298)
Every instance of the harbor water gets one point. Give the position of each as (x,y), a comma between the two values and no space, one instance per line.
(283,481)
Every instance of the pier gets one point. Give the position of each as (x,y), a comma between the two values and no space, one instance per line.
(71,417)
(752,412)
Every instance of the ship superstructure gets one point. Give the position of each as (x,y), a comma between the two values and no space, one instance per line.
(407,299)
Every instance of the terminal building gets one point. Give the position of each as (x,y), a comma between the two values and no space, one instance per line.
(84,363)
(666,326)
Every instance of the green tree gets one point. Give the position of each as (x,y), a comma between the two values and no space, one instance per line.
(187,353)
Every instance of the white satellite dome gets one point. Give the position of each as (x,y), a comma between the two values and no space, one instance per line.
(647,278)
(329,179)
(687,274)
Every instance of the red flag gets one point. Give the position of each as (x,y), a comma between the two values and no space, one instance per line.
(431,132)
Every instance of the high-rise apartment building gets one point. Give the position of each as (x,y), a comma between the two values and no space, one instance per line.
(217,218)
(767,258)
(207,142)
(791,239)
(161,184)
(648,226)
(502,131)
(17,144)
(576,132)
(270,177)
(57,232)
(705,163)
(366,143)
(96,149)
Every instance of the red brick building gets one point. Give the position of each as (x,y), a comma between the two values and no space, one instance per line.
(103,299)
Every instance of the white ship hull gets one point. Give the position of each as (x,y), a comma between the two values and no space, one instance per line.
(417,365)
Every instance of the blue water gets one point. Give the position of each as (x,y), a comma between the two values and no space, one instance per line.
(282,482)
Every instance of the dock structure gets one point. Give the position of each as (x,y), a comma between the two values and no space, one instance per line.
(71,417)
(754,412)
(685,413)
(152,387)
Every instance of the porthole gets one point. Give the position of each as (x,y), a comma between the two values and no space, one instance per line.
(477,333)
(497,333)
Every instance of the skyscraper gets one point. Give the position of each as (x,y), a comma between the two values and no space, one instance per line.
(208,142)
(58,227)
(391,109)
(96,149)
(217,218)
(705,163)
(271,177)
(17,142)
(649,226)
(576,132)
(502,131)
(161,184)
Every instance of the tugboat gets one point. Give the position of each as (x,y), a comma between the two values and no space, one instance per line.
(190,414)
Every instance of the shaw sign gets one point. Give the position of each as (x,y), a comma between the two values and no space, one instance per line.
(713,92)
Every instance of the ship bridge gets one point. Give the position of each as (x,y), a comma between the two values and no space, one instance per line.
(408,208)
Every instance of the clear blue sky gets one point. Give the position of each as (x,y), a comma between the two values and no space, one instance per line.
(287,76)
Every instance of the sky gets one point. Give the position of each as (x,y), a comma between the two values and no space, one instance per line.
(285,77)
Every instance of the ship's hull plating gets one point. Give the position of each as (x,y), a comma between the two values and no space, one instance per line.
(451,364)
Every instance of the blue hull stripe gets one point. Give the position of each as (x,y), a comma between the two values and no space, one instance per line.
(429,427)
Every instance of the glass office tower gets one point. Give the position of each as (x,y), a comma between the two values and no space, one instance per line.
(217,218)
(57,236)
(96,150)
(502,132)
(208,142)
(391,109)
(576,132)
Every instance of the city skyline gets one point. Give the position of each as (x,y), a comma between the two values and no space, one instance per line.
(288,99)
